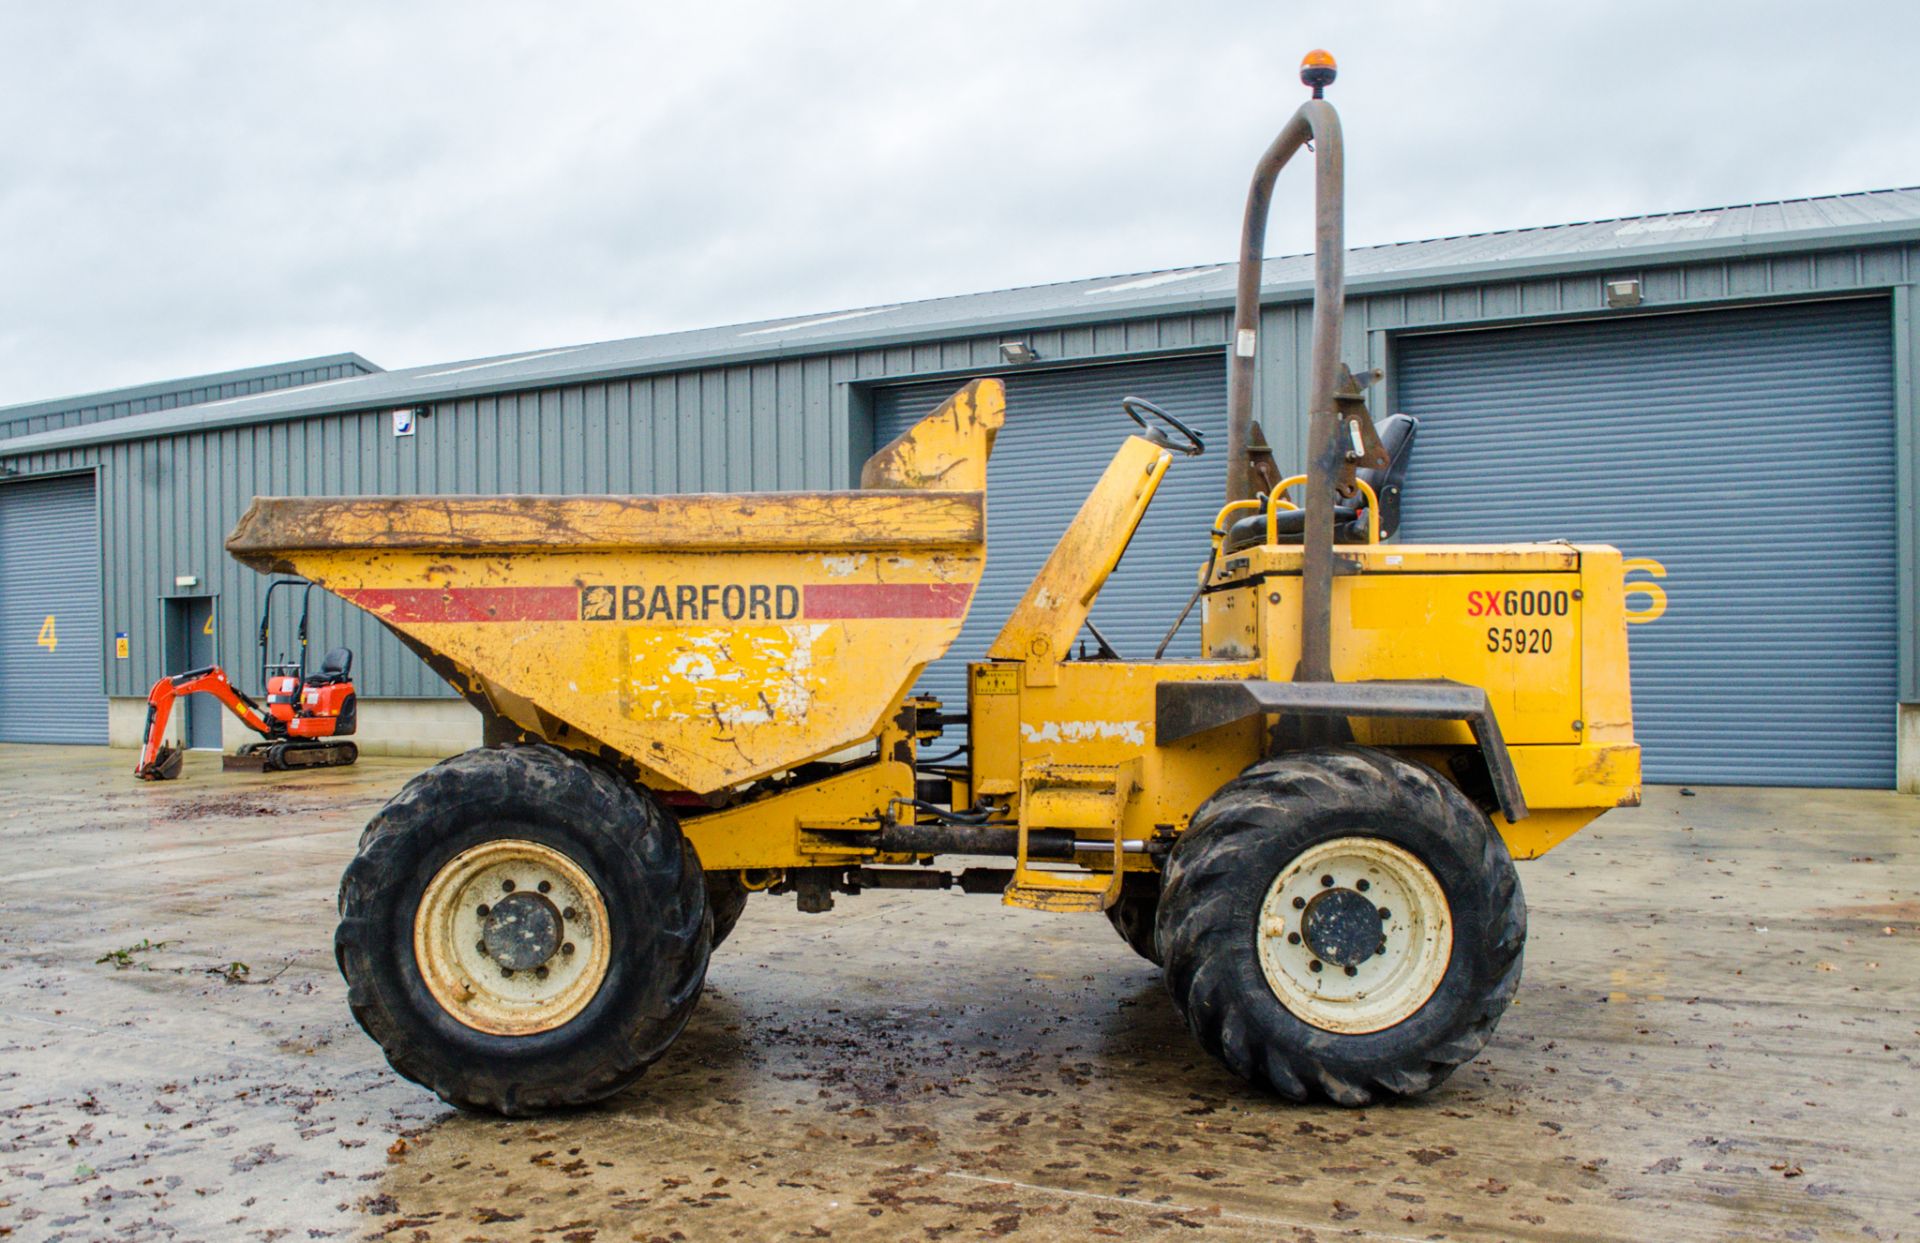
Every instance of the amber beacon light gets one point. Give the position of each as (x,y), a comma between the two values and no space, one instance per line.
(1318,70)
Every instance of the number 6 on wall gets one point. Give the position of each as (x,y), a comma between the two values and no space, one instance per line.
(49,638)
(1656,594)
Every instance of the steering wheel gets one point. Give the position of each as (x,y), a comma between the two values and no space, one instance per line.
(1190,442)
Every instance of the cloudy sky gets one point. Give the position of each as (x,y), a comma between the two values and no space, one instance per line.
(191,187)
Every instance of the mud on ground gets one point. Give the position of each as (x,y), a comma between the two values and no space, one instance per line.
(1715,1040)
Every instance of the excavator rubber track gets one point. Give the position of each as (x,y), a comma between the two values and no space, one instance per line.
(281,756)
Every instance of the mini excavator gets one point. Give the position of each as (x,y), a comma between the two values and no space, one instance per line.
(303,725)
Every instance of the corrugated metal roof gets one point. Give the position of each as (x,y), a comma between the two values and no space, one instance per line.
(1836,220)
(169,388)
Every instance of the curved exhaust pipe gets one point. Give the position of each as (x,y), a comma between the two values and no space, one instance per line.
(1317,123)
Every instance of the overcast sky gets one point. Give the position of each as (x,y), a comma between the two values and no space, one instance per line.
(192,187)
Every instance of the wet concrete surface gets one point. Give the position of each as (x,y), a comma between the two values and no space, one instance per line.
(1715,1040)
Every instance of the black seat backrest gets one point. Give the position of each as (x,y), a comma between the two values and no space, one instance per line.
(1396,437)
(335,666)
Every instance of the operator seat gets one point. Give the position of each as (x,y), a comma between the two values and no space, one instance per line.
(1349,514)
(335,666)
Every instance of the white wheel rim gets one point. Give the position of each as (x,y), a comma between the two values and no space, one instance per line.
(488,975)
(1352,992)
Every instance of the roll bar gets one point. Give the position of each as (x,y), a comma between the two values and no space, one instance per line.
(266,616)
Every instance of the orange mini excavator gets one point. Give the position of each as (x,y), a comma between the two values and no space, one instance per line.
(302,726)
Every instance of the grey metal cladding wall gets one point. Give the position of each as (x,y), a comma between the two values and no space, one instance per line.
(1062,429)
(50,569)
(1752,454)
(1285,339)
(80,415)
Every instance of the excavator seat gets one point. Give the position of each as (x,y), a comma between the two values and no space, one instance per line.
(336,666)
(1349,515)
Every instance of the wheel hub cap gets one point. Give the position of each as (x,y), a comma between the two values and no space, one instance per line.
(521,931)
(1355,935)
(1341,927)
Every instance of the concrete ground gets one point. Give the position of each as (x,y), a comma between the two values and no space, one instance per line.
(1715,1040)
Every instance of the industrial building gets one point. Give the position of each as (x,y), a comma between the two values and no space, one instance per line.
(51,557)
(1726,394)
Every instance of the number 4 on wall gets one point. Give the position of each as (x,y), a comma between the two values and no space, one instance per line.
(49,638)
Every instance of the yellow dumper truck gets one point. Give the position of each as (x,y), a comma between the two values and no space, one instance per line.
(1311,826)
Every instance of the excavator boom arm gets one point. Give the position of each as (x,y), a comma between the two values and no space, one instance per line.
(155,756)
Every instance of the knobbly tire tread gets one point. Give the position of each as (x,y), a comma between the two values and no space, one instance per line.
(1132,914)
(726,898)
(1239,840)
(648,874)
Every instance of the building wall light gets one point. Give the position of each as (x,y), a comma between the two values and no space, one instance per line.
(1017,352)
(1623,293)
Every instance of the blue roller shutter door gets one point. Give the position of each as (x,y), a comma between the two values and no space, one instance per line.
(1747,453)
(51,645)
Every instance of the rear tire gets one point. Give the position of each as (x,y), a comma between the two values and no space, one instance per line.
(567,1023)
(726,898)
(1132,914)
(1292,992)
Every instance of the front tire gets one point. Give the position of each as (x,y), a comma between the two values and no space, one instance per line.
(522,930)
(1341,922)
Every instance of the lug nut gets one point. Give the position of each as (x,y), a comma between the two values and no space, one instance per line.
(482,947)
(567,948)
(546,886)
(507,972)
(484,910)
(1326,882)
(1380,950)
(1293,938)
(1385,914)
(569,913)
(1362,885)
(540,973)
(507,885)
(1316,964)
(1351,971)
(1299,904)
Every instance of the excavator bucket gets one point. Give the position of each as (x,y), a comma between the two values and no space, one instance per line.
(165,766)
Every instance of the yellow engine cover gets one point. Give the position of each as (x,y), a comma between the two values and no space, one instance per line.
(1541,627)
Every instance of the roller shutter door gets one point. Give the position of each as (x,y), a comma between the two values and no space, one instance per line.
(51,645)
(1748,454)
(1062,429)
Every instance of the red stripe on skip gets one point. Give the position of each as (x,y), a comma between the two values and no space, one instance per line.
(469,604)
(831,601)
